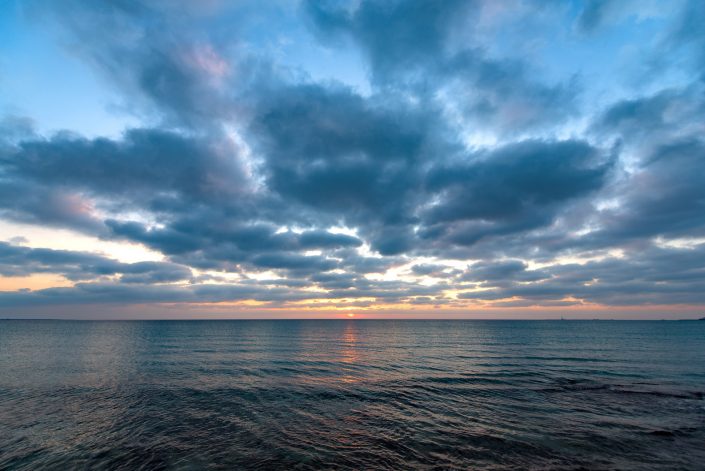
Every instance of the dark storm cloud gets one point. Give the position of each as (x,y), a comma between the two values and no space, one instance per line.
(356,263)
(334,280)
(375,162)
(665,197)
(655,118)
(252,248)
(322,239)
(515,180)
(508,192)
(293,262)
(154,272)
(193,233)
(503,270)
(23,261)
(61,178)
(419,47)
(144,161)
(359,160)
(654,275)
(396,35)
(659,195)
(332,149)
(325,148)
(34,203)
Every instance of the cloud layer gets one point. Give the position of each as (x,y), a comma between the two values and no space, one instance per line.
(464,172)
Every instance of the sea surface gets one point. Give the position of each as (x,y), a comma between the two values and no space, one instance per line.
(352,395)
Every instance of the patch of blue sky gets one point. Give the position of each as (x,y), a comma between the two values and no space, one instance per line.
(42,80)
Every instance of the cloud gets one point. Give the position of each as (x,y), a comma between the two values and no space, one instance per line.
(458,148)
(594,13)
(515,179)
(513,189)
(294,262)
(688,32)
(662,194)
(68,180)
(322,239)
(395,35)
(23,261)
(419,48)
(502,271)
(653,275)
(665,197)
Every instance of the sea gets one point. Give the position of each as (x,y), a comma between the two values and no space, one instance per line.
(352,395)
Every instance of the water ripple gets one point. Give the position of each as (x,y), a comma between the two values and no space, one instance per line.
(352,395)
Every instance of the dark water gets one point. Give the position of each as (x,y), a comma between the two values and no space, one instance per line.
(352,395)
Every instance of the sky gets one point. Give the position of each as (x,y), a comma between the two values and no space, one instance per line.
(315,159)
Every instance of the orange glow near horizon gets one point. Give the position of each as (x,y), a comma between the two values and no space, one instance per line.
(34,282)
(367,308)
